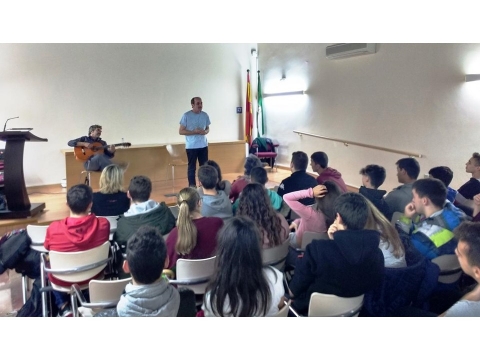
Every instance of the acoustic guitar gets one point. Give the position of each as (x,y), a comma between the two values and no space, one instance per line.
(83,153)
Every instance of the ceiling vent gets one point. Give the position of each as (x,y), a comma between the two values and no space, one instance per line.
(340,51)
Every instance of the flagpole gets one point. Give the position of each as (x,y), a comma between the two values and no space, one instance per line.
(260,113)
(248,112)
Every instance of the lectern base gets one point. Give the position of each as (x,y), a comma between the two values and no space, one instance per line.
(35,208)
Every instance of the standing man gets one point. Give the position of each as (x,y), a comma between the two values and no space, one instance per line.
(195,126)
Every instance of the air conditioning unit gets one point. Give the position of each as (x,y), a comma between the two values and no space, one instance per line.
(339,51)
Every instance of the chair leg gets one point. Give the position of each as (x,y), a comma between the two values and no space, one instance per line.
(44,297)
(24,288)
(173,178)
(73,301)
(87,179)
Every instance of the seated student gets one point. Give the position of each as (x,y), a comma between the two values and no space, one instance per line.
(472,186)
(223,185)
(195,236)
(432,234)
(373,177)
(316,218)
(142,212)
(79,232)
(348,266)
(149,294)
(445,175)
(467,191)
(476,208)
(259,175)
(101,159)
(111,200)
(319,164)
(299,180)
(214,202)
(390,242)
(407,172)
(255,204)
(242,286)
(468,254)
(251,161)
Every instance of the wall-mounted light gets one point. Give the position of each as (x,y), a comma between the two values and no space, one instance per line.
(472,77)
(299,92)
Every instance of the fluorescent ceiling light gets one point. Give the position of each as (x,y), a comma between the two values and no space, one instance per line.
(472,77)
(299,92)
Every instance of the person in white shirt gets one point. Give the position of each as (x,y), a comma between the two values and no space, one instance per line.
(242,286)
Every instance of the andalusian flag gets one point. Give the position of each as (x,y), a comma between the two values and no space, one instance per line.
(248,113)
(260,116)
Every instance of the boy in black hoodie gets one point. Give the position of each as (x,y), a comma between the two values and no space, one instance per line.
(373,177)
(348,265)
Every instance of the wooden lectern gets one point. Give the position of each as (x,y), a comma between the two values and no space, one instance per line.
(18,204)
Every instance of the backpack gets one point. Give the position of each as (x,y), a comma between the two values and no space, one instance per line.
(264,145)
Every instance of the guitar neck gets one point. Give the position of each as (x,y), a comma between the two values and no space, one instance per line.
(106,146)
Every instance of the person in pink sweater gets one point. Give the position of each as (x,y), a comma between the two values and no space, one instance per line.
(316,218)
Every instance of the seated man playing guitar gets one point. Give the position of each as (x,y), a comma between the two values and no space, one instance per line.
(93,150)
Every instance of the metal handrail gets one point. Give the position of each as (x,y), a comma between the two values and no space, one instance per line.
(347,142)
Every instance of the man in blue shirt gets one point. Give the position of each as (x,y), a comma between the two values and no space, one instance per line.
(195,126)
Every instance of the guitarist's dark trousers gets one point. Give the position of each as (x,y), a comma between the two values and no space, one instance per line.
(97,162)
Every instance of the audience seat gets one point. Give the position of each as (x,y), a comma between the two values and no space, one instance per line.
(323,305)
(276,256)
(104,294)
(72,267)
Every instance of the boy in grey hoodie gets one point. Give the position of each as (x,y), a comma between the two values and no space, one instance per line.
(149,294)
(214,202)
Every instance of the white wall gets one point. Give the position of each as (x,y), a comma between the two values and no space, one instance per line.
(135,91)
(409,97)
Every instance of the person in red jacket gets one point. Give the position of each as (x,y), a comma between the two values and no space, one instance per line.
(79,232)
(319,164)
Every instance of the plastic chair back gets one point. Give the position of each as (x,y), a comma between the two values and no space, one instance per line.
(74,263)
(332,305)
(309,236)
(450,270)
(107,290)
(194,274)
(177,154)
(175,209)
(104,294)
(113,224)
(396,216)
(276,256)
(37,233)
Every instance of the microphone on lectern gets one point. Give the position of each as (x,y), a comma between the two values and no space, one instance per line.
(5,126)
